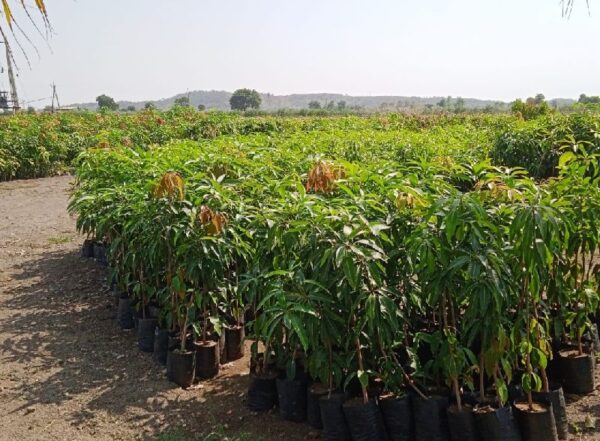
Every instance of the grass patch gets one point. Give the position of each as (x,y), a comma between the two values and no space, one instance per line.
(59,240)
(218,434)
(174,435)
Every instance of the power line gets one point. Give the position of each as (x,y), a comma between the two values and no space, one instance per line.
(37,100)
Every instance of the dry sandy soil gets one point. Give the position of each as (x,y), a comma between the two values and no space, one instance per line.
(68,373)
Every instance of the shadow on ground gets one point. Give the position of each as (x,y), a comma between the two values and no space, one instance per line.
(63,327)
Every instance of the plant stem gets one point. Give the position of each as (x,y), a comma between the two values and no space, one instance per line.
(481,382)
(495,375)
(528,358)
(545,383)
(457,393)
(205,313)
(143,291)
(362,368)
(404,374)
(330,384)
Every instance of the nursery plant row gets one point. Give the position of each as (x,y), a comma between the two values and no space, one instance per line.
(36,145)
(384,298)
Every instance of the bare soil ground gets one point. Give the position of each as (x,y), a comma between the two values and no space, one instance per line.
(68,373)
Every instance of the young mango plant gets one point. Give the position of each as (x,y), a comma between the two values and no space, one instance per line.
(536,236)
(325,359)
(371,310)
(171,213)
(207,254)
(489,281)
(579,195)
(575,293)
(584,302)
(444,249)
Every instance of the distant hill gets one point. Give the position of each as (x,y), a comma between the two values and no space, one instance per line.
(218,99)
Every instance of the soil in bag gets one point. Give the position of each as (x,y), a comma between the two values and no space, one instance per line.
(220,339)
(87,249)
(292,399)
(577,372)
(234,341)
(461,423)
(430,418)
(207,359)
(180,367)
(397,416)
(146,328)
(496,424)
(262,392)
(125,313)
(536,424)
(559,408)
(364,420)
(335,427)
(161,346)
(313,410)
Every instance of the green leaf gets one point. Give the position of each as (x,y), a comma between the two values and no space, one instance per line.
(363,377)
(300,330)
(565,158)
(502,390)
(526,383)
(350,271)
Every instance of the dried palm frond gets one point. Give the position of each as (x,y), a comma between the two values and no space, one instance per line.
(10,18)
(8,12)
(171,185)
(322,177)
(567,7)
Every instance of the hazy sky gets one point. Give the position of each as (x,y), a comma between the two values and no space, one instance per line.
(150,49)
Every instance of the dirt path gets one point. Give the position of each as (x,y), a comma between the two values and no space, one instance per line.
(68,373)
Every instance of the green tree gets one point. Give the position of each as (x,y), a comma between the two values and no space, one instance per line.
(459,105)
(201,107)
(150,106)
(243,99)
(131,108)
(106,102)
(584,99)
(341,105)
(314,105)
(182,101)
(530,108)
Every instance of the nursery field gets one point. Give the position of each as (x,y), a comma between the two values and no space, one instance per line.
(62,354)
(66,370)
(387,277)
(37,145)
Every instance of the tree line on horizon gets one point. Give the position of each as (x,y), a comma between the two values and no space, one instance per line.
(249,99)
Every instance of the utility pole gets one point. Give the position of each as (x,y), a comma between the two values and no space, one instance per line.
(11,79)
(54,97)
